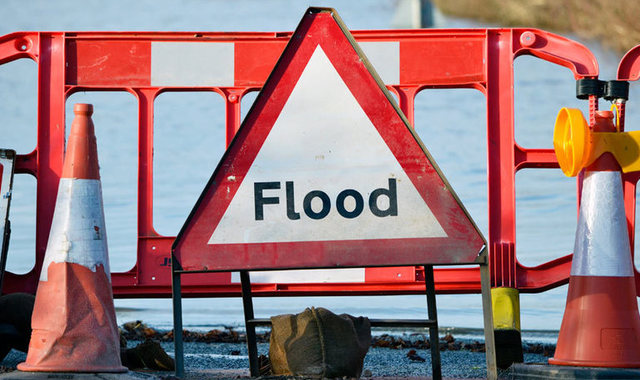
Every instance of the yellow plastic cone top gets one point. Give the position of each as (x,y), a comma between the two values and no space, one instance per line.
(577,146)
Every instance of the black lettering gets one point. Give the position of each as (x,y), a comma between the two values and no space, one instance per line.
(260,200)
(391,193)
(357,197)
(291,207)
(326,204)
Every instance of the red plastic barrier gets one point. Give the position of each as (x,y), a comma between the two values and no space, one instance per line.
(140,63)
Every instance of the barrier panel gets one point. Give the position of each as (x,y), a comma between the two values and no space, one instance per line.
(147,64)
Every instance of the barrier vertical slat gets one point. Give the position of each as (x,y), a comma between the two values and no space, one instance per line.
(500,172)
(629,186)
(145,161)
(51,136)
(146,98)
(232,101)
(629,189)
(406,100)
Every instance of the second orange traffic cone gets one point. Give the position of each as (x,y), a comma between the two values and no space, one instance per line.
(74,322)
(601,324)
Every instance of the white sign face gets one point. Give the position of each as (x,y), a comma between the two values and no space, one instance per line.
(324,173)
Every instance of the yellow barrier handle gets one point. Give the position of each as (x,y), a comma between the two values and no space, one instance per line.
(625,147)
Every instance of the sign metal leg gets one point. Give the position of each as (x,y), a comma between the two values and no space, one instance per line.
(489,337)
(436,365)
(177,323)
(247,305)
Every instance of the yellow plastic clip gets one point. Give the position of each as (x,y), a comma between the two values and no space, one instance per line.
(616,111)
(576,146)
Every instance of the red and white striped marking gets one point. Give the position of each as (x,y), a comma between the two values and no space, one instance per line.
(186,64)
(214,63)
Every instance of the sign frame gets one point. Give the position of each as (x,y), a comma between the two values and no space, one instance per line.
(413,253)
(461,243)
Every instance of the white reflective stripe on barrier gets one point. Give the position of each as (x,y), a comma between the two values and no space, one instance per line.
(185,64)
(78,233)
(306,276)
(192,64)
(602,242)
(385,58)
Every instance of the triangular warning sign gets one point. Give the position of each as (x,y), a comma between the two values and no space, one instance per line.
(328,152)
(325,172)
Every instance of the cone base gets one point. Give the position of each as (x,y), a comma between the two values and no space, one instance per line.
(74,323)
(601,324)
(24,367)
(529,371)
(591,363)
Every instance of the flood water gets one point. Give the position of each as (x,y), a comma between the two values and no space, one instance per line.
(189,141)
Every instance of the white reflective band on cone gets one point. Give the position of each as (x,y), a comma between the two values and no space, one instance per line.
(78,233)
(602,242)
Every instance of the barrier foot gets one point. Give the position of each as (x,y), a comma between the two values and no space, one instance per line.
(521,371)
(506,323)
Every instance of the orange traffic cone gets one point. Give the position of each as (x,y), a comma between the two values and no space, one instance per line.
(74,321)
(601,324)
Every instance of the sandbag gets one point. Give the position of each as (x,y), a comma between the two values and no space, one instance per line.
(319,343)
